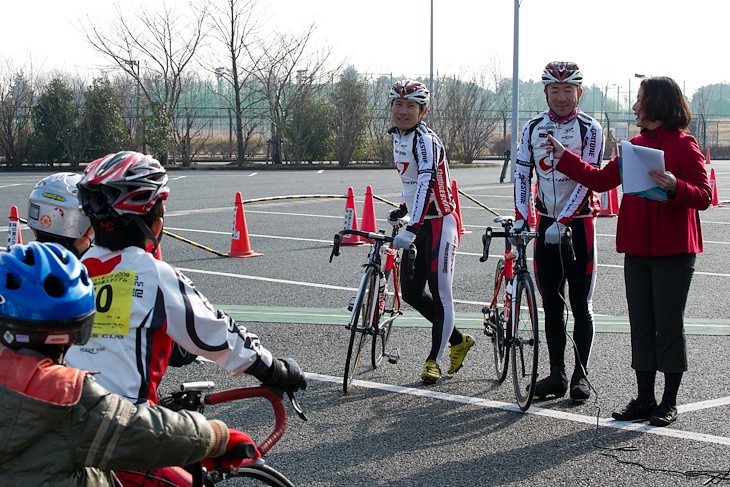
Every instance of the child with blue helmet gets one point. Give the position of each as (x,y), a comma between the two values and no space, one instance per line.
(57,425)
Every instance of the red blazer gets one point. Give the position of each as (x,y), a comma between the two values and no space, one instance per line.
(647,227)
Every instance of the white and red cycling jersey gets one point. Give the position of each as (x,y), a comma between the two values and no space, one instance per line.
(143,305)
(420,159)
(558,196)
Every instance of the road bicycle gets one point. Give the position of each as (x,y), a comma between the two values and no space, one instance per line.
(194,396)
(510,318)
(377,303)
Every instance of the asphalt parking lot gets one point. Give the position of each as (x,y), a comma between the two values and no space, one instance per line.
(465,430)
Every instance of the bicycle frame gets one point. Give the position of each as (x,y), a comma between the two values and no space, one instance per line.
(515,262)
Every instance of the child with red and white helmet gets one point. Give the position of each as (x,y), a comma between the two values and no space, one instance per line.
(420,159)
(145,304)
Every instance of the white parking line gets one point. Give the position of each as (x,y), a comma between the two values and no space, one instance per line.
(577,418)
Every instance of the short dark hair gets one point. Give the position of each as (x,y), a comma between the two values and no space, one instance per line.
(664,102)
(123,232)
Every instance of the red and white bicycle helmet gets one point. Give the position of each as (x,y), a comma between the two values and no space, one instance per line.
(562,72)
(121,184)
(410,90)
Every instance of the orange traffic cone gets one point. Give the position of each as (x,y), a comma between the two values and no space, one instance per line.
(707,157)
(455,193)
(368,212)
(14,234)
(240,244)
(609,203)
(350,220)
(713,184)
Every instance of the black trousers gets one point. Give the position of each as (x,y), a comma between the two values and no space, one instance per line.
(656,291)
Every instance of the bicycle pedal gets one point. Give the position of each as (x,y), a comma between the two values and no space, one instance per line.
(393,356)
(351,303)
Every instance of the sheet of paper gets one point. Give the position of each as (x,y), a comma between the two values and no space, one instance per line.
(636,162)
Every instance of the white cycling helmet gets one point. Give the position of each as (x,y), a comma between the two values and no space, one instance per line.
(54,209)
(410,90)
(562,72)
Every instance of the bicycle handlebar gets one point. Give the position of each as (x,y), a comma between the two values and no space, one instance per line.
(369,235)
(524,236)
(193,396)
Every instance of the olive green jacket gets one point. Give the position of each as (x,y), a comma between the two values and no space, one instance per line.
(58,427)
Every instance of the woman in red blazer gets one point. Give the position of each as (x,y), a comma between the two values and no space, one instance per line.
(660,240)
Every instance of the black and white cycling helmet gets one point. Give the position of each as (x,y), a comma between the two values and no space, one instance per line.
(562,72)
(122,184)
(53,207)
(410,90)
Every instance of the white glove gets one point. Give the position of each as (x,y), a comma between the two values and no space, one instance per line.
(519,225)
(554,233)
(404,240)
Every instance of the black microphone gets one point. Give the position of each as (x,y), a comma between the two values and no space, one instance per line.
(550,128)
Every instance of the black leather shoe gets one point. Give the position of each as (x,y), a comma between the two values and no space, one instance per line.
(556,384)
(664,415)
(636,410)
(579,390)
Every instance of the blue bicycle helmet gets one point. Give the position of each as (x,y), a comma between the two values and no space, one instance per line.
(46,297)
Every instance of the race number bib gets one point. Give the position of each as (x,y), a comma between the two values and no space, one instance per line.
(113,302)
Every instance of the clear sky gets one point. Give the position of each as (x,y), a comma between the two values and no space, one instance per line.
(611,40)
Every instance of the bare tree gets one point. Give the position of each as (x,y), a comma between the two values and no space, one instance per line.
(17,96)
(701,102)
(236,26)
(191,129)
(164,42)
(379,122)
(284,72)
(351,113)
(472,117)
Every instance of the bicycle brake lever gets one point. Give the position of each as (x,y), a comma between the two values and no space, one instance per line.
(296,406)
(336,246)
(412,253)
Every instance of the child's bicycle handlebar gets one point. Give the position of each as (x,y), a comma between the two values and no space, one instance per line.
(194,396)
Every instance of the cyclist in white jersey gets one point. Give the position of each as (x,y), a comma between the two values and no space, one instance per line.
(560,203)
(421,161)
(144,304)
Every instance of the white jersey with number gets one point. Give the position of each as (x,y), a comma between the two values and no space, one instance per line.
(143,304)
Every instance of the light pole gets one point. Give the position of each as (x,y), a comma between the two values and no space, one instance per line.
(430,79)
(219,72)
(134,64)
(515,88)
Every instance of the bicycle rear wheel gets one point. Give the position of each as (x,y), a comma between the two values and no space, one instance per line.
(498,323)
(257,475)
(358,326)
(525,342)
(381,336)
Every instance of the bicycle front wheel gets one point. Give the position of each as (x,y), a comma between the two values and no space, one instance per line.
(391,310)
(358,326)
(498,323)
(525,341)
(257,475)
